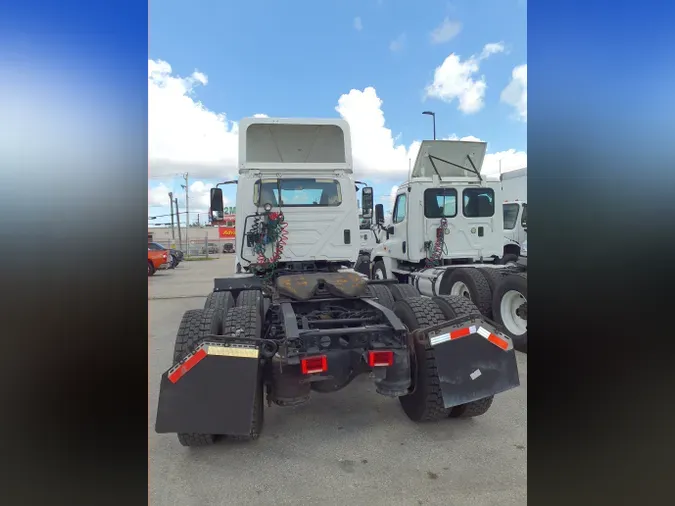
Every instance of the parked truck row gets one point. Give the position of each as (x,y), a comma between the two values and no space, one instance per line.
(297,319)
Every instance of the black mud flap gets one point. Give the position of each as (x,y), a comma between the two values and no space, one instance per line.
(212,391)
(473,361)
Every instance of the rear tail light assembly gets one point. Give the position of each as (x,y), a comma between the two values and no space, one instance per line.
(380,358)
(313,365)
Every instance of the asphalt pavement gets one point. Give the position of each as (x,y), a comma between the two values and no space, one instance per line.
(353,447)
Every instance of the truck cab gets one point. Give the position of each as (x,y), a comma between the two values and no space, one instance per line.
(302,169)
(444,214)
(515,226)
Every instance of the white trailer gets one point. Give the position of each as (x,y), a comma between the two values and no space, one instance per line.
(514,185)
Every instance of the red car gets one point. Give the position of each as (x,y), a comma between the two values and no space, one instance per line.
(157,260)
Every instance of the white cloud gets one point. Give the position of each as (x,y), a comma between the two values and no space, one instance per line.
(469,138)
(374,149)
(510,160)
(447,30)
(200,196)
(158,196)
(455,79)
(398,43)
(492,48)
(515,93)
(392,197)
(183,146)
(183,135)
(259,115)
(358,24)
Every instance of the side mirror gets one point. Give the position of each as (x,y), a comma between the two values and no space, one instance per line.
(379,214)
(216,211)
(367,202)
(390,230)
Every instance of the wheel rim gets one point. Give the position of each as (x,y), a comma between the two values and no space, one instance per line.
(508,307)
(379,274)
(459,288)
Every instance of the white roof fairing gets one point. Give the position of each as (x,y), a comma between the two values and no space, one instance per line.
(294,143)
(456,152)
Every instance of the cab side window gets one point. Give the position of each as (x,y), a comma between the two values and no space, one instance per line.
(399,208)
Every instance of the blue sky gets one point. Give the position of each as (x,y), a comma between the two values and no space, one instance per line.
(298,58)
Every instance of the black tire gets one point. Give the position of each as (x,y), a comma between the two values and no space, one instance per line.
(472,409)
(222,301)
(454,306)
(403,291)
(493,276)
(249,298)
(425,403)
(245,322)
(379,265)
(174,262)
(518,283)
(382,294)
(151,269)
(509,257)
(478,288)
(191,439)
(196,323)
(253,298)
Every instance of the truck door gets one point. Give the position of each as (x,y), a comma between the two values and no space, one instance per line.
(476,233)
(398,241)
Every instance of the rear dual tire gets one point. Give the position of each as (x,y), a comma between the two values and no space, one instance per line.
(403,291)
(425,402)
(194,327)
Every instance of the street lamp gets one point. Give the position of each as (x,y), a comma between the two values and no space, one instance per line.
(433,116)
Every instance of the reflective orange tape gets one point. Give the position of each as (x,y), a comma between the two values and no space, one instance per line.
(187,365)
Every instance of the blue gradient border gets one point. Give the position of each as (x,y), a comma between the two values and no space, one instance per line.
(73,165)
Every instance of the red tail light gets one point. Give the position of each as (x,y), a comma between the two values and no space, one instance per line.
(380,358)
(312,365)
(164,256)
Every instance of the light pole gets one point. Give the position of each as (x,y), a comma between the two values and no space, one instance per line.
(433,116)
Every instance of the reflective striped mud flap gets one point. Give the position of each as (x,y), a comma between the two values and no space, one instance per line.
(212,391)
(473,361)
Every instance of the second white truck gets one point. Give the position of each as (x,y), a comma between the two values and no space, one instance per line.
(447,234)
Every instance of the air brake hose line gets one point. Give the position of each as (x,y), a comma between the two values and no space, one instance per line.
(438,248)
(270,232)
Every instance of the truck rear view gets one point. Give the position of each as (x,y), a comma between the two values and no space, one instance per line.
(298,320)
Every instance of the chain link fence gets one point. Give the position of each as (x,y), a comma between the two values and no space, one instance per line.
(199,246)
